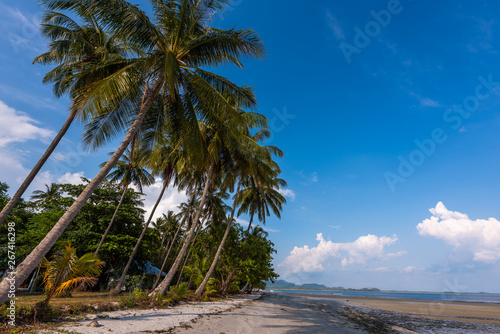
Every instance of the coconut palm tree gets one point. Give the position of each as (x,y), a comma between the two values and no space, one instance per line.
(251,161)
(260,198)
(128,170)
(180,46)
(51,192)
(67,271)
(166,226)
(186,213)
(73,47)
(221,141)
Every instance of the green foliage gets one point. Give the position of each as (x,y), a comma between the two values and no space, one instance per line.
(108,57)
(66,271)
(212,288)
(177,293)
(33,222)
(140,299)
(135,282)
(197,270)
(30,315)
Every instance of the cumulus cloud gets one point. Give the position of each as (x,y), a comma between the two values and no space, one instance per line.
(172,198)
(287,193)
(46,177)
(313,259)
(16,126)
(71,178)
(479,239)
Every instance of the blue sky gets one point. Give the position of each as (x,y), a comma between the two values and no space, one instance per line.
(384,110)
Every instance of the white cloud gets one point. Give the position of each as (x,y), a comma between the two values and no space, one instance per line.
(46,177)
(172,198)
(242,222)
(364,249)
(287,193)
(58,156)
(16,126)
(426,102)
(478,239)
(334,24)
(11,168)
(308,179)
(71,178)
(382,269)
(410,269)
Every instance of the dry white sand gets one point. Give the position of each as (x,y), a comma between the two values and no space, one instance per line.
(277,313)
(159,320)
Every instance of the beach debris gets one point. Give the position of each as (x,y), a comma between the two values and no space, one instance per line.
(93,324)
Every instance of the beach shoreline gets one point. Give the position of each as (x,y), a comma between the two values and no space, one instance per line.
(301,313)
(310,313)
(480,312)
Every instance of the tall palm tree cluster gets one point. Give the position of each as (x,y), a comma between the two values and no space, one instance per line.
(150,78)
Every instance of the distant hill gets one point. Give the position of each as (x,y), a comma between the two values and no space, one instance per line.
(282,284)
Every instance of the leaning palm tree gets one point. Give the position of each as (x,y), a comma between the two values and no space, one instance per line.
(221,140)
(187,213)
(163,156)
(67,271)
(249,158)
(128,170)
(180,47)
(73,48)
(213,137)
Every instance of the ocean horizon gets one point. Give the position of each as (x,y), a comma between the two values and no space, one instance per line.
(471,297)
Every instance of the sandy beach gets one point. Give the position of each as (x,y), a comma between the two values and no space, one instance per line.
(302,313)
(294,313)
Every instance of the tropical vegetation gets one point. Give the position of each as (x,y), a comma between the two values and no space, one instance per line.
(151,78)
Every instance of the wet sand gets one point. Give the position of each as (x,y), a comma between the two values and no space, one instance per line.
(302,313)
(485,313)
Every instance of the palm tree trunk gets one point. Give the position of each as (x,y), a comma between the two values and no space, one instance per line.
(203,284)
(112,220)
(17,196)
(225,285)
(33,281)
(169,250)
(33,259)
(164,285)
(190,253)
(245,287)
(250,223)
(118,286)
